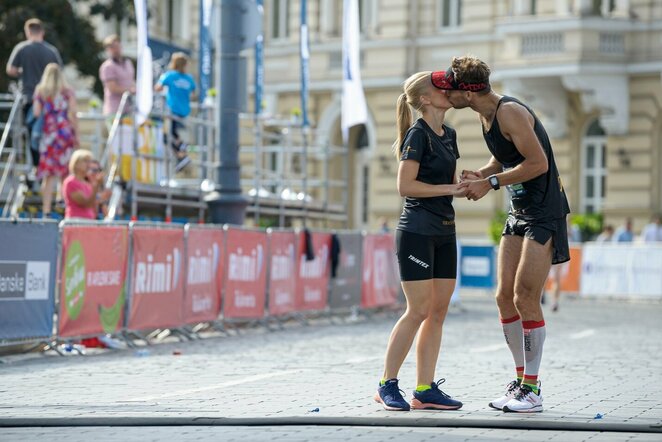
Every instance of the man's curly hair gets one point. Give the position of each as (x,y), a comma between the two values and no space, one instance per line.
(471,69)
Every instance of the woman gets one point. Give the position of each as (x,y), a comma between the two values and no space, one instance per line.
(80,195)
(57,102)
(425,242)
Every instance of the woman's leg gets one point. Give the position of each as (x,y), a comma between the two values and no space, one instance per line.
(418,294)
(47,194)
(429,338)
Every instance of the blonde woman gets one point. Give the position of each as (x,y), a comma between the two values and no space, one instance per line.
(57,103)
(80,195)
(425,242)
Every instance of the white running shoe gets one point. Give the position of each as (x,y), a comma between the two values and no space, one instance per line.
(526,401)
(511,392)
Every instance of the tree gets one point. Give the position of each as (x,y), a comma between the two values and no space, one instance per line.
(114,9)
(71,34)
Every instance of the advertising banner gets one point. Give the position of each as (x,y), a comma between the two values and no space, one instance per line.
(28,258)
(313,275)
(570,272)
(157,282)
(477,266)
(204,274)
(245,274)
(346,286)
(380,275)
(621,270)
(93,275)
(282,272)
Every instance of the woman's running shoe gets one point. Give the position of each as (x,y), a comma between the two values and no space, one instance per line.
(390,396)
(434,399)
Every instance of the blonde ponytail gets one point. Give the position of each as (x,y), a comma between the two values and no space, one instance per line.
(415,86)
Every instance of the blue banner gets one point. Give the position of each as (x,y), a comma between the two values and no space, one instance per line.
(28,264)
(305,56)
(477,266)
(259,64)
(204,68)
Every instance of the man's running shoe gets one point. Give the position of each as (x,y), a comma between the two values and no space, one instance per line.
(526,401)
(434,399)
(390,396)
(511,391)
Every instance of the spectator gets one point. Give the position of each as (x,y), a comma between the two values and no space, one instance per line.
(28,60)
(56,104)
(653,231)
(624,233)
(80,196)
(383,225)
(606,235)
(180,86)
(117,75)
(95,178)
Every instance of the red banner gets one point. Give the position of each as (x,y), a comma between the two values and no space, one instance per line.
(157,292)
(282,275)
(93,278)
(245,274)
(380,274)
(204,275)
(313,276)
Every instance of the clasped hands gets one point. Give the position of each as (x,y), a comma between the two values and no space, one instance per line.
(472,185)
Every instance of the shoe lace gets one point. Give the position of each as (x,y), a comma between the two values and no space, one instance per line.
(524,390)
(394,390)
(512,386)
(436,387)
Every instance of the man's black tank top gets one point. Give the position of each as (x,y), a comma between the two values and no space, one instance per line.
(539,199)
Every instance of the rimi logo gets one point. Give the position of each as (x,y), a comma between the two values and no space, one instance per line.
(27,280)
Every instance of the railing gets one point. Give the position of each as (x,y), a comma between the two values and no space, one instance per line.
(9,164)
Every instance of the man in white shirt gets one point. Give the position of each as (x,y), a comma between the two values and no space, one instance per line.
(653,231)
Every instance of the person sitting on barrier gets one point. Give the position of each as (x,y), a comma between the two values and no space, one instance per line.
(180,86)
(80,196)
(425,241)
(56,103)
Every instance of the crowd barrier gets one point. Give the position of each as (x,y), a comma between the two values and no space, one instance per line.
(116,278)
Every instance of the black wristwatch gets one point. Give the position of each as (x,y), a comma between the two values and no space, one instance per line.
(494,182)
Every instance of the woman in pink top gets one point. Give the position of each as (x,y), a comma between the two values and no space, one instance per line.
(80,195)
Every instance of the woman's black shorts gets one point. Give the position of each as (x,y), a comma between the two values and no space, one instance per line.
(426,257)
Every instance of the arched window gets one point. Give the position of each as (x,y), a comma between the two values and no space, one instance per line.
(594,168)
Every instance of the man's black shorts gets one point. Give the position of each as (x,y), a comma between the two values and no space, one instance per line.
(424,257)
(540,232)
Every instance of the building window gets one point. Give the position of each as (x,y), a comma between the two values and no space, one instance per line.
(368,16)
(450,13)
(176,20)
(533,7)
(594,168)
(603,7)
(279,19)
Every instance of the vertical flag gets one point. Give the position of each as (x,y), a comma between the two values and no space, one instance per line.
(305,56)
(259,63)
(205,47)
(144,84)
(354,109)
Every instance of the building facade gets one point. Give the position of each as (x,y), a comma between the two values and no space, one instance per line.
(591,69)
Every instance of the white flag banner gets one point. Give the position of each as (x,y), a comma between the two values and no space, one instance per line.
(144,84)
(354,109)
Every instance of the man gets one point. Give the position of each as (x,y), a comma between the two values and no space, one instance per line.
(653,231)
(28,60)
(624,233)
(534,236)
(117,75)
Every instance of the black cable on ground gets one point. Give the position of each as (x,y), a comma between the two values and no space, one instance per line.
(177,421)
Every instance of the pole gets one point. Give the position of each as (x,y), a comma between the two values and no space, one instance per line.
(227,205)
(305,126)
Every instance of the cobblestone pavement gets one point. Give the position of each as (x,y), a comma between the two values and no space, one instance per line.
(601,358)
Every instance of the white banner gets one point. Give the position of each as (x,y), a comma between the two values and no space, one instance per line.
(144,83)
(622,270)
(354,109)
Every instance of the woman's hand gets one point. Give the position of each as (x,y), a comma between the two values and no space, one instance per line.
(460,191)
(471,175)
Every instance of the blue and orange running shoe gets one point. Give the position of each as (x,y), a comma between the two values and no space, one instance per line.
(434,399)
(390,396)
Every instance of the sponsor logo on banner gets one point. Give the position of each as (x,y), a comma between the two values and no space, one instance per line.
(282,269)
(202,271)
(26,280)
(158,276)
(246,267)
(314,269)
(476,265)
(74,288)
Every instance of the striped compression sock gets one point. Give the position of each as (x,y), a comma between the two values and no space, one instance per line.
(534,338)
(512,331)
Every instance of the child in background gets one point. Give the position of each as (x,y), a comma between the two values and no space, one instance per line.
(180,86)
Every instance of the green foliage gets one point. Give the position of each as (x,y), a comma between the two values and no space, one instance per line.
(267,221)
(590,224)
(117,9)
(71,34)
(496,225)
